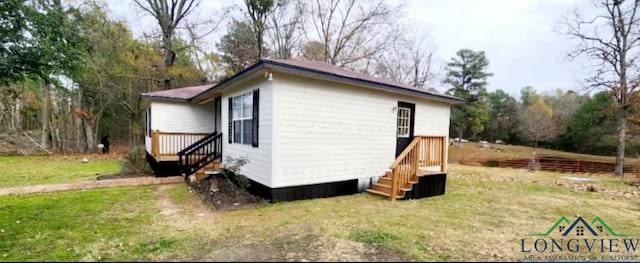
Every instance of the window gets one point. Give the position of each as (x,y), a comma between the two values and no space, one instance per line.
(403,122)
(579,231)
(242,118)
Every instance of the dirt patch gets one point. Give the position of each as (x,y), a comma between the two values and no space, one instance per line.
(225,199)
(121,176)
(300,247)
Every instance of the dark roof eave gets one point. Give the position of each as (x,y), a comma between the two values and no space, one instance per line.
(226,82)
(321,74)
(361,82)
(163,98)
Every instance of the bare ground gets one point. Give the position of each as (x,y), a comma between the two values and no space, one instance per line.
(89,185)
(299,242)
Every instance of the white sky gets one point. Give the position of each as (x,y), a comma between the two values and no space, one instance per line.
(516,35)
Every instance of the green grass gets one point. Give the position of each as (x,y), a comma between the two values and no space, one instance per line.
(483,216)
(22,171)
(114,224)
(479,218)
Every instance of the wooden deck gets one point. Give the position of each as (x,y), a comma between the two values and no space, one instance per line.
(167,158)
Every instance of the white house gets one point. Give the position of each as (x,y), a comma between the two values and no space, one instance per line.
(308,129)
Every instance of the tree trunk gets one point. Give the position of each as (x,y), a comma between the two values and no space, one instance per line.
(88,131)
(169,57)
(46,92)
(80,134)
(622,132)
(16,116)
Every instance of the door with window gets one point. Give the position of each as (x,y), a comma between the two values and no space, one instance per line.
(406,121)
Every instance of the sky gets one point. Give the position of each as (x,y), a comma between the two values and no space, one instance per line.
(517,36)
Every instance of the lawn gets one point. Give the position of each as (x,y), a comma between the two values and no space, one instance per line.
(470,150)
(483,216)
(33,170)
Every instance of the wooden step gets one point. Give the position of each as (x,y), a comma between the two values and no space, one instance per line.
(381,187)
(387,194)
(387,181)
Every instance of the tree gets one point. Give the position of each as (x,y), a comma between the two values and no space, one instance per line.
(468,77)
(409,60)
(538,125)
(59,48)
(285,24)
(564,108)
(169,14)
(238,47)
(258,11)
(503,122)
(590,126)
(528,96)
(313,50)
(352,31)
(17,55)
(611,39)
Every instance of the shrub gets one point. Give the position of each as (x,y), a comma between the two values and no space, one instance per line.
(136,161)
(230,179)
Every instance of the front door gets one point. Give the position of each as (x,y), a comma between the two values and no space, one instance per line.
(404,131)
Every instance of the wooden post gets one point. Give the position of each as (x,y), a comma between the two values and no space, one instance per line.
(155,143)
(443,167)
(416,159)
(394,184)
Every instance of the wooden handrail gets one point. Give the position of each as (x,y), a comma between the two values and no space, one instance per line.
(423,151)
(405,152)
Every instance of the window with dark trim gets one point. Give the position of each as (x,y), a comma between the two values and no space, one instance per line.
(242,118)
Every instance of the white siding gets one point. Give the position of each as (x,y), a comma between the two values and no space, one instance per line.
(260,161)
(169,116)
(326,132)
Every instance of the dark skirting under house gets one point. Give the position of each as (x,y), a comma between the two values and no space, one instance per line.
(164,168)
(428,185)
(301,192)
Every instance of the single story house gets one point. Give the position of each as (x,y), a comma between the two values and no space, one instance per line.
(308,129)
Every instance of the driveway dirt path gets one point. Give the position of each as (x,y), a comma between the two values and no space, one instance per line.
(90,185)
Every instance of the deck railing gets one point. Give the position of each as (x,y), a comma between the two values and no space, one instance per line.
(171,143)
(424,152)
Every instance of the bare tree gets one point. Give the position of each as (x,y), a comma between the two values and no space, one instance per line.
(168,14)
(352,31)
(537,123)
(258,12)
(610,39)
(197,47)
(409,60)
(284,27)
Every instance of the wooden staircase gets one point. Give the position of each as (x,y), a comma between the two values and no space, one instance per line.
(418,158)
(384,184)
(205,171)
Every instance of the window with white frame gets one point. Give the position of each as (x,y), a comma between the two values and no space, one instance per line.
(404,116)
(242,121)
